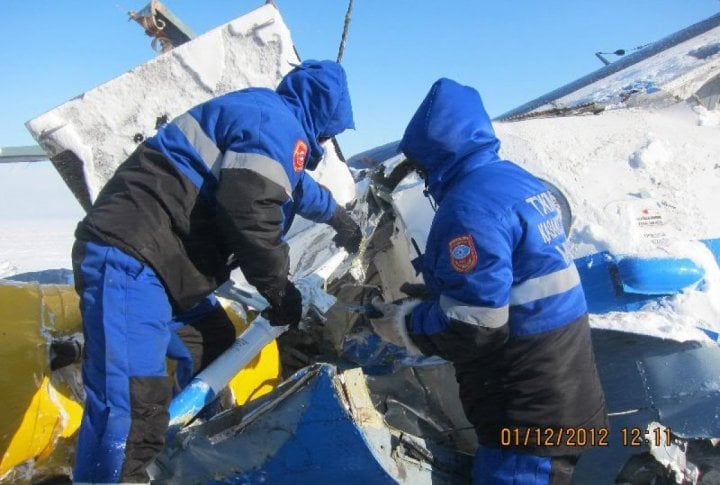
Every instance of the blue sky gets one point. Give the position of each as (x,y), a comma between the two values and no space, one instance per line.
(511,51)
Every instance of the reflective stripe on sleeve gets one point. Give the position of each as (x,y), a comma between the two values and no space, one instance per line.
(474,315)
(202,143)
(544,286)
(215,160)
(260,164)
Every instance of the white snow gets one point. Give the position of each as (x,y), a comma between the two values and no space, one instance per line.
(7,269)
(35,245)
(652,156)
(615,165)
(707,117)
(618,170)
(37,218)
(668,325)
(703,307)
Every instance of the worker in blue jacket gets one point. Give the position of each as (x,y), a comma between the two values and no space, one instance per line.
(215,189)
(507,307)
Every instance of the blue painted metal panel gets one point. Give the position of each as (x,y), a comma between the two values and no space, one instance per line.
(602,464)
(600,282)
(376,357)
(714,246)
(365,349)
(303,432)
(375,156)
(325,447)
(685,388)
(306,436)
(61,276)
(619,356)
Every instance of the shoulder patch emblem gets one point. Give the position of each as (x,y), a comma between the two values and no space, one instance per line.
(463,255)
(299,154)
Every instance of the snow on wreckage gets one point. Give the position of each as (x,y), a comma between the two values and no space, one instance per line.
(632,149)
(87,138)
(638,176)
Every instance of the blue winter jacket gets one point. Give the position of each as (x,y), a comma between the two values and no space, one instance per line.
(496,260)
(273,133)
(218,186)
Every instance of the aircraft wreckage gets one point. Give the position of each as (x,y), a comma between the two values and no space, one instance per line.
(331,402)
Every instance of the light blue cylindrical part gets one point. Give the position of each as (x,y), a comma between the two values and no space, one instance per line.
(208,383)
(190,402)
(658,276)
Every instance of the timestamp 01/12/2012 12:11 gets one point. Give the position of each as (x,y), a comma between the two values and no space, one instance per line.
(582,437)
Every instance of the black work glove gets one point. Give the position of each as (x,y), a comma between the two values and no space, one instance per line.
(348,234)
(416,290)
(285,306)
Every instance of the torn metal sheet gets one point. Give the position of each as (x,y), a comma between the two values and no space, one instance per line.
(673,456)
(319,426)
(424,401)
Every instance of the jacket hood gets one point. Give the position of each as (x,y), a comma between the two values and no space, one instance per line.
(317,92)
(450,125)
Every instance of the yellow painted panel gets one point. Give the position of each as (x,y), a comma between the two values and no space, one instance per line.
(40,419)
(262,374)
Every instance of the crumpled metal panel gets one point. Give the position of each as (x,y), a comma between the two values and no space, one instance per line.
(424,401)
(629,404)
(317,427)
(685,389)
(617,354)
(307,436)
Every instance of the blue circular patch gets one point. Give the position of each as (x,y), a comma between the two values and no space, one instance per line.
(461,251)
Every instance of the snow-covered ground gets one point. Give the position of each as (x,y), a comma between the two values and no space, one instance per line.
(35,245)
(38,216)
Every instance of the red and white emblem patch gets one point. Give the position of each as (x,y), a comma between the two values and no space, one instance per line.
(299,154)
(463,255)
